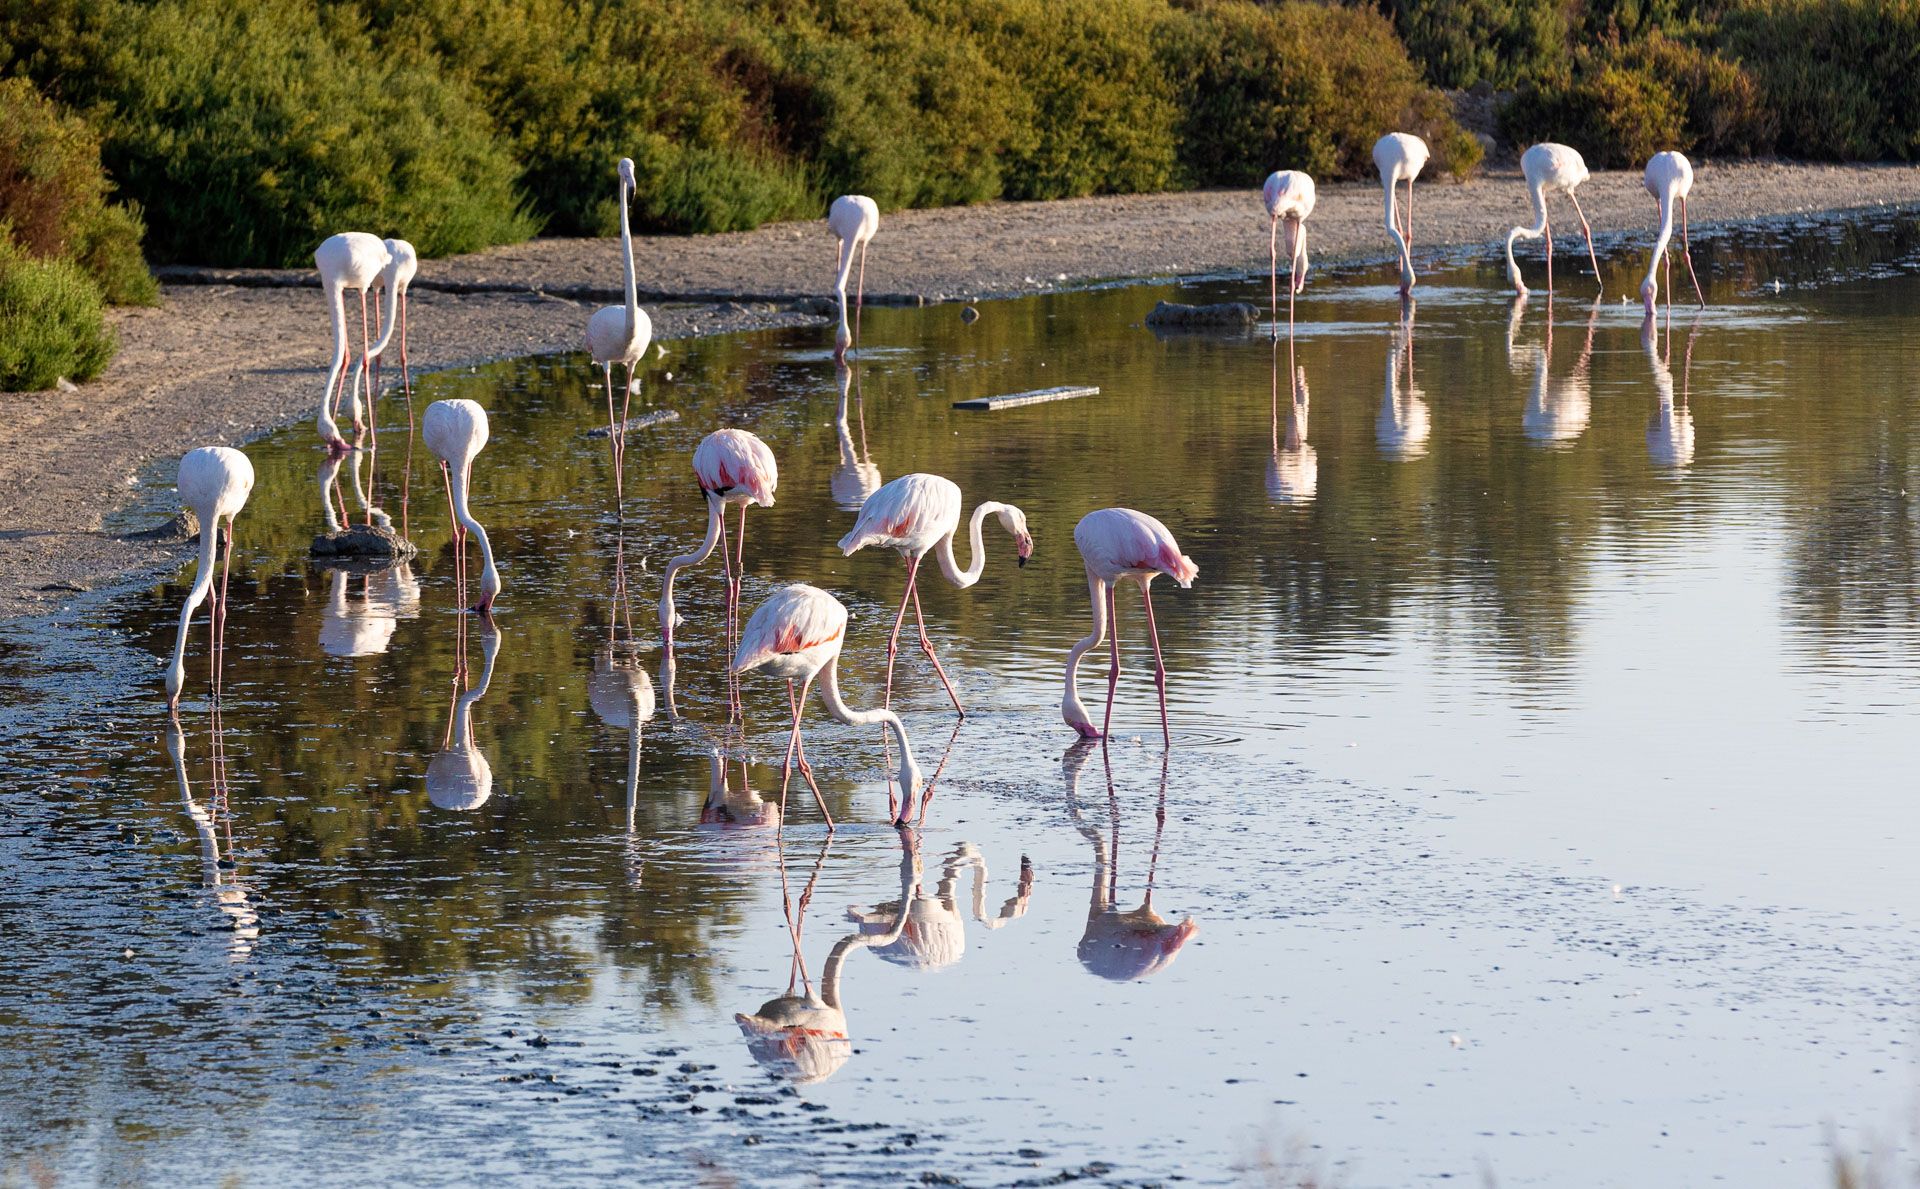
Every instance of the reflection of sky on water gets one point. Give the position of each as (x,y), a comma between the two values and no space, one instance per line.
(1595,757)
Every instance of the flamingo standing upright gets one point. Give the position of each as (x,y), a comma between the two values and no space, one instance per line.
(1289,197)
(620,334)
(797,634)
(350,260)
(456,432)
(733,467)
(1669,179)
(853,218)
(917,513)
(1550,167)
(1119,544)
(215,482)
(1400,156)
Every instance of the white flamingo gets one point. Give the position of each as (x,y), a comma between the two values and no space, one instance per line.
(456,431)
(402,265)
(1400,156)
(620,334)
(350,260)
(1289,197)
(1549,167)
(215,482)
(853,218)
(1118,545)
(1669,179)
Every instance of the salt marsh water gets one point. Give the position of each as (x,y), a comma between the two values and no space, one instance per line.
(1540,794)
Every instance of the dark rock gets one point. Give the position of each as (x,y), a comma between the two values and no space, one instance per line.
(184,527)
(1227,313)
(821,307)
(969,315)
(364,542)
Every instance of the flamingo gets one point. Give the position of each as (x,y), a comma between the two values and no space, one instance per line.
(1669,179)
(1118,544)
(1119,944)
(215,482)
(733,467)
(402,264)
(917,513)
(1289,196)
(853,218)
(797,634)
(459,775)
(1400,156)
(456,432)
(1550,167)
(350,260)
(620,334)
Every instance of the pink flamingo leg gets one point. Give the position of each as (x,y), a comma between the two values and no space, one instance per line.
(1273,274)
(795,747)
(893,639)
(1293,270)
(1591,258)
(366,361)
(1159,666)
(1546,229)
(459,540)
(613,438)
(1113,672)
(733,613)
(1686,248)
(926,645)
(859,296)
(220,642)
(1409,235)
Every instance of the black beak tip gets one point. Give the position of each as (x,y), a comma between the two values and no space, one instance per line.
(1023,563)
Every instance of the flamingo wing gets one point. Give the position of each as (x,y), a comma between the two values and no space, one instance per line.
(912,512)
(794,619)
(1115,541)
(733,461)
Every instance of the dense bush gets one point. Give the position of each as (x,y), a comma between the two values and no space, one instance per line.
(53,196)
(52,323)
(1841,76)
(1503,42)
(251,132)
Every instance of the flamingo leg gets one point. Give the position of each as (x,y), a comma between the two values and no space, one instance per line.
(1159,665)
(459,539)
(613,435)
(1273,274)
(1591,257)
(726,607)
(406,375)
(893,639)
(626,411)
(1546,230)
(366,363)
(220,615)
(739,581)
(927,646)
(806,772)
(1686,248)
(1293,265)
(859,295)
(1409,234)
(1113,671)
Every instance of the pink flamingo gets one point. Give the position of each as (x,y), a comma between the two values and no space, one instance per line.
(1289,197)
(853,218)
(1118,544)
(797,634)
(1550,167)
(917,513)
(350,260)
(1669,179)
(620,334)
(1400,156)
(215,481)
(734,467)
(403,263)
(456,431)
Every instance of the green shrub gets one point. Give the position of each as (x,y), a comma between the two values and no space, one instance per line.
(53,195)
(251,132)
(1724,112)
(1503,42)
(52,322)
(1842,77)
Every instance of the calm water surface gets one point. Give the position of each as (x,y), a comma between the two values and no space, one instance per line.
(1541,796)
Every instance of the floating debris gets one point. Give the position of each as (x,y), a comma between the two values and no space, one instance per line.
(1226,313)
(1036,397)
(645,421)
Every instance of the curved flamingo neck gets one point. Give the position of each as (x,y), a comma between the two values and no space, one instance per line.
(336,294)
(489,576)
(909,775)
(393,316)
(1538,192)
(943,550)
(715,512)
(1651,286)
(1392,216)
(202,583)
(1071,707)
(840,286)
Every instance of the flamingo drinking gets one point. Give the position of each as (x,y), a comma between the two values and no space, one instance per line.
(620,334)
(1289,197)
(456,432)
(1400,156)
(1549,167)
(917,513)
(853,218)
(350,260)
(797,634)
(215,482)
(402,264)
(1119,544)
(1669,179)
(733,467)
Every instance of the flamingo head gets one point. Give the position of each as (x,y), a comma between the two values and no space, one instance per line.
(1648,292)
(1015,522)
(626,173)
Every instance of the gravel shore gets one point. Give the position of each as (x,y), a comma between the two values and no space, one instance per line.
(232,354)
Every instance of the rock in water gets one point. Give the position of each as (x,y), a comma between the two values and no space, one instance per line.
(969,315)
(644,421)
(364,541)
(1227,313)
(184,527)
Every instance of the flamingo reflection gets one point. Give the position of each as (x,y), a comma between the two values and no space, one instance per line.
(1404,423)
(856,477)
(217,871)
(618,689)
(932,934)
(1670,429)
(459,776)
(801,1036)
(365,626)
(1557,410)
(333,500)
(1121,944)
(1293,471)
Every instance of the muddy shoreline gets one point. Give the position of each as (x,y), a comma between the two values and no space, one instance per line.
(231,355)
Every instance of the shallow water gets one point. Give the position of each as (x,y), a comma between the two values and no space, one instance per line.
(1540,786)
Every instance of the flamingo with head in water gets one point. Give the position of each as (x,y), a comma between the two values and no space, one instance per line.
(456,432)
(797,634)
(1289,198)
(403,263)
(917,514)
(215,482)
(1400,156)
(733,467)
(620,334)
(1119,544)
(350,260)
(1669,179)
(853,218)
(1550,167)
